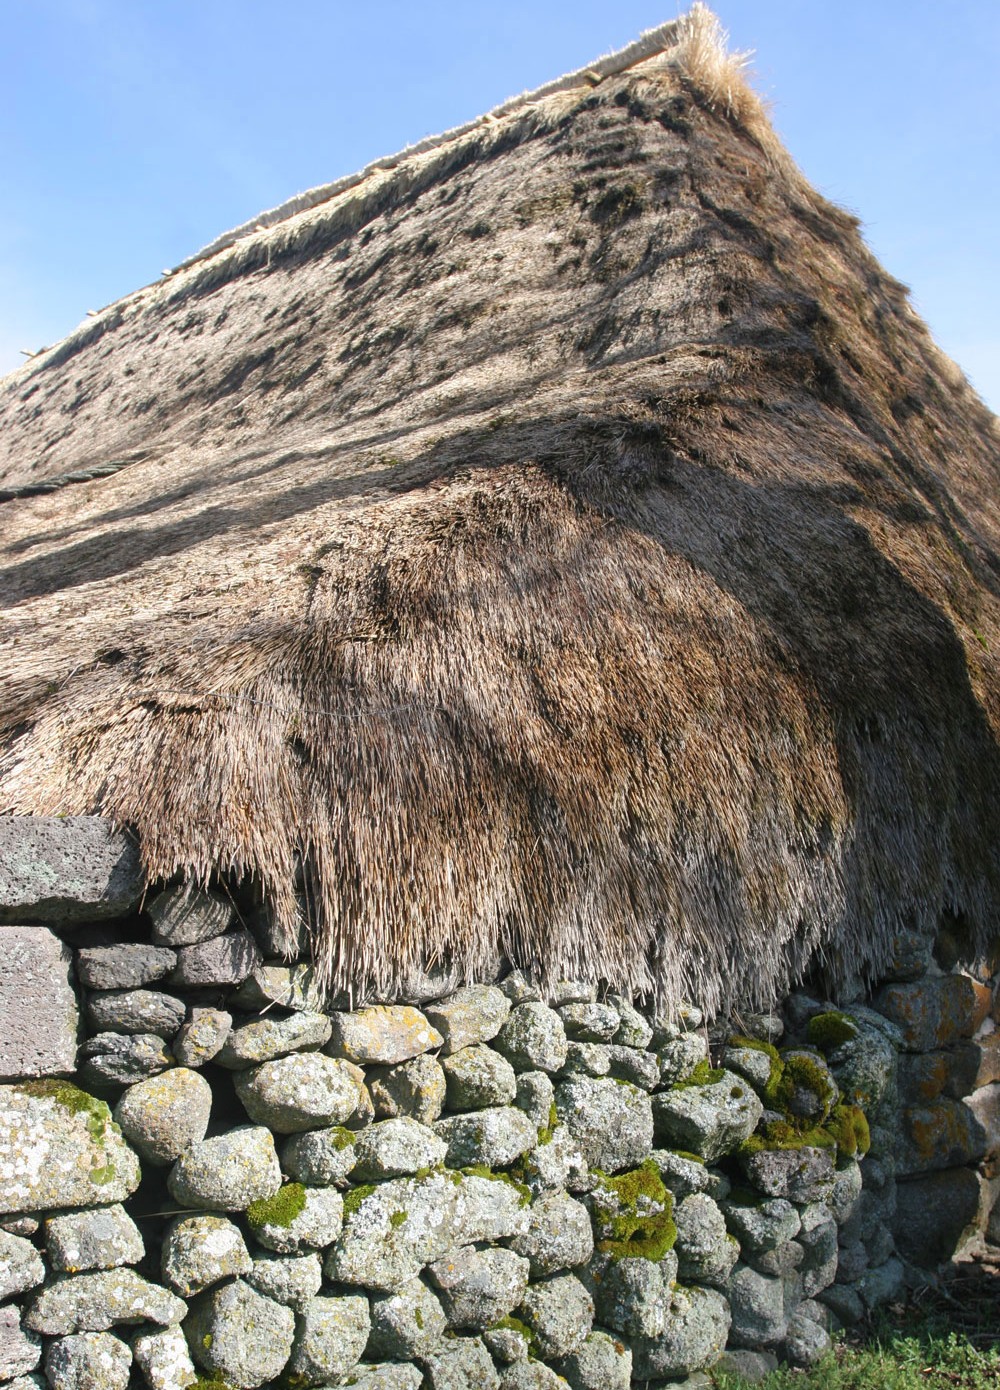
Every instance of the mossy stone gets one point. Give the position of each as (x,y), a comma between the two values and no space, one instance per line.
(279,1210)
(78,1157)
(830,1030)
(802,1088)
(633,1213)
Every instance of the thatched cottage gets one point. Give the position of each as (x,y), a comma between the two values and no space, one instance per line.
(558,549)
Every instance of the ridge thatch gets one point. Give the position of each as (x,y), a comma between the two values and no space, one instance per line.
(565,544)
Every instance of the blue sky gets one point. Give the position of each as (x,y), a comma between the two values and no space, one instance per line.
(134,131)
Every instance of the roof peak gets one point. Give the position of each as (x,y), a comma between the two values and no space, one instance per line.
(649,44)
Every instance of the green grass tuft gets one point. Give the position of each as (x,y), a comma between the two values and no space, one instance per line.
(903,1350)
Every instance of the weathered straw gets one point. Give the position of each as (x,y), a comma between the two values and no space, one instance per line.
(566,542)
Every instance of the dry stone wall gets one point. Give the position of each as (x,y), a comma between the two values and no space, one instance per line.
(209,1174)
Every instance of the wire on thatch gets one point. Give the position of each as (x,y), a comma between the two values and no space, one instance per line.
(566,544)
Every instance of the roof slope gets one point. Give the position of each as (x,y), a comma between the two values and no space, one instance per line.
(567,540)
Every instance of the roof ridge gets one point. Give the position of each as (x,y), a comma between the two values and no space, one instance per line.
(647,45)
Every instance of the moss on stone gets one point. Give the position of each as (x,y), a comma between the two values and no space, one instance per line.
(354,1198)
(849,1126)
(511,1324)
(97,1115)
(800,1072)
(77,1102)
(755,1045)
(837,1126)
(548,1130)
(829,1030)
(342,1138)
(704,1074)
(398,1218)
(781,1134)
(207,1382)
(633,1213)
(281,1209)
(481,1170)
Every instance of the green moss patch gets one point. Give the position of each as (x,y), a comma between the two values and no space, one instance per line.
(281,1209)
(830,1030)
(849,1127)
(548,1130)
(704,1074)
(633,1213)
(207,1382)
(801,1072)
(97,1116)
(516,1325)
(354,1198)
(76,1102)
(480,1170)
(781,1134)
(846,1130)
(755,1045)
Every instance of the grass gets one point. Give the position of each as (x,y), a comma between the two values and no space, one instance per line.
(945,1340)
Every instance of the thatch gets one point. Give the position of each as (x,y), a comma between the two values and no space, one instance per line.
(567,540)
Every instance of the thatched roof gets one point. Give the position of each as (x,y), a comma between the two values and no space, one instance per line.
(566,538)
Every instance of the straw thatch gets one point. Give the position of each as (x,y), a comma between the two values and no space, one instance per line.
(565,538)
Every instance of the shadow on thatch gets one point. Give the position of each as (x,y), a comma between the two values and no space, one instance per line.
(568,544)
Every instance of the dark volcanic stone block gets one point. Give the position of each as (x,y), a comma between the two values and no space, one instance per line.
(185,916)
(117,1059)
(37,1004)
(135,1011)
(935,1214)
(123,967)
(66,869)
(225,960)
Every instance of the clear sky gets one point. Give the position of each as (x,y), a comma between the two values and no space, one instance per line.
(134,131)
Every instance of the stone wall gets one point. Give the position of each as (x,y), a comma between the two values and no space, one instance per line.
(208,1172)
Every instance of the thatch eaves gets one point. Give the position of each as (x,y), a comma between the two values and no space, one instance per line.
(567,542)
